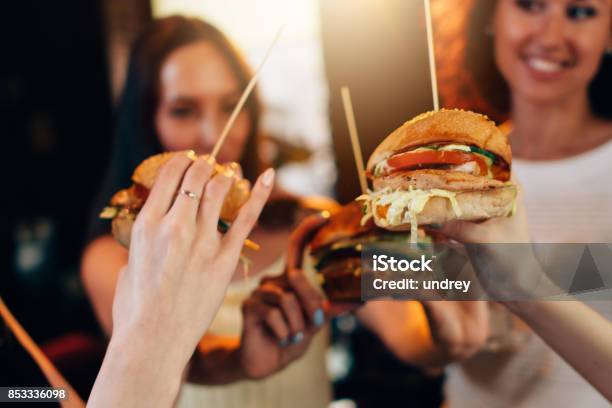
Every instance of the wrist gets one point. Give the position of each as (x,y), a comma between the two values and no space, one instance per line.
(135,372)
(143,352)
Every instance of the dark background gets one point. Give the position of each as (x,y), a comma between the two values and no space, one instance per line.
(379,50)
(55,122)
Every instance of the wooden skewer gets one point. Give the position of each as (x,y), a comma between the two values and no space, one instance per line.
(432,55)
(350,120)
(244,97)
(54,377)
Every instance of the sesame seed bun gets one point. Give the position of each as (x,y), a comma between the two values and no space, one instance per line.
(444,126)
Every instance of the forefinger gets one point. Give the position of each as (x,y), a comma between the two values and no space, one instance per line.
(166,184)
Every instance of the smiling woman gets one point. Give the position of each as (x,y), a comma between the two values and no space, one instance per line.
(469,60)
(546,66)
(548,50)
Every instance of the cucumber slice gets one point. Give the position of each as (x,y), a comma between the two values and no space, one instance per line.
(222,226)
(478,150)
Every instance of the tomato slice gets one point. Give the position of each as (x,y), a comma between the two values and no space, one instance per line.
(140,191)
(424,158)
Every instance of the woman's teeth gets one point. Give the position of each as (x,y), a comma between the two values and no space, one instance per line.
(543,65)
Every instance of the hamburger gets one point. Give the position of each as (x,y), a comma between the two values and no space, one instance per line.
(127,203)
(440,166)
(336,250)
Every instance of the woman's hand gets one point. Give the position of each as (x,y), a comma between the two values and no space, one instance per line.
(315,304)
(276,329)
(500,251)
(179,265)
(283,314)
(458,329)
(178,270)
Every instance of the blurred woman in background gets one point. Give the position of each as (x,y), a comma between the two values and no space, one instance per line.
(184,81)
(547,66)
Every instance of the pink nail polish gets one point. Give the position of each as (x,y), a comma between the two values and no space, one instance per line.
(268,177)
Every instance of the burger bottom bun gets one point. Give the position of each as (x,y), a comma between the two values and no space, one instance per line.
(474,206)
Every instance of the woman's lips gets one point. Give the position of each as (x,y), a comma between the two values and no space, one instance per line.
(544,69)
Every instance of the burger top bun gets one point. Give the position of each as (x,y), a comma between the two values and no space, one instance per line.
(146,174)
(454,126)
(344,223)
(147,171)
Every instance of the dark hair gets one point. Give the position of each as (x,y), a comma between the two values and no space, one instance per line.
(482,84)
(136,137)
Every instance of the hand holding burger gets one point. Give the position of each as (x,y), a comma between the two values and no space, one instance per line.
(178,270)
(126,204)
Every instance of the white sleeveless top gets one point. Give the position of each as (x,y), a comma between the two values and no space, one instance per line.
(568,200)
(302,384)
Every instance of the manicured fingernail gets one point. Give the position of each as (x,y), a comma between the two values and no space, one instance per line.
(284,342)
(297,337)
(268,177)
(318,318)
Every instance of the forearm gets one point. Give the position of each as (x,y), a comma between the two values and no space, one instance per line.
(216,361)
(138,372)
(576,332)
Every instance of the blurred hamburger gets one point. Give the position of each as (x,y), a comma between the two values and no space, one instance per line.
(440,166)
(126,204)
(337,246)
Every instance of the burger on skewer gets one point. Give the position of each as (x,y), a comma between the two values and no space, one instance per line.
(440,166)
(126,204)
(336,250)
